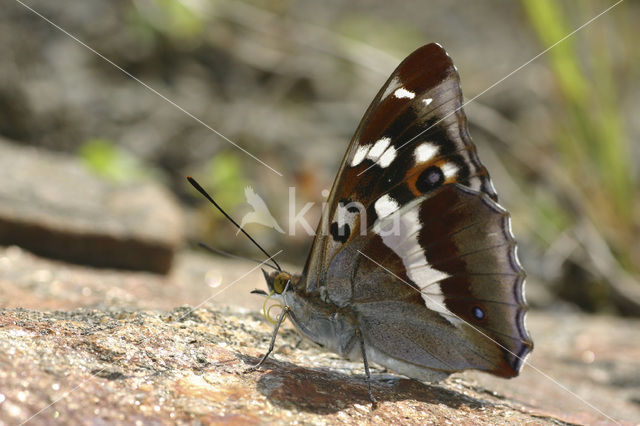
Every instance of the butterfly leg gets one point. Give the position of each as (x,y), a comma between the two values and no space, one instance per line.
(284,312)
(374,403)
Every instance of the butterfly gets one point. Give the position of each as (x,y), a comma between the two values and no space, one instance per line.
(414,265)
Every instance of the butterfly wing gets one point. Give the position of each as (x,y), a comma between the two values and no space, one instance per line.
(444,292)
(413,127)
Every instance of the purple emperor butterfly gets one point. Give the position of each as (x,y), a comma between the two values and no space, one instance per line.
(414,265)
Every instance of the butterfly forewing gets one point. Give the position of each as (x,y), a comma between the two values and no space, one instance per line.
(414,123)
(412,139)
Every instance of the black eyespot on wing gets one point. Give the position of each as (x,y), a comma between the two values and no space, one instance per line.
(431,178)
(340,233)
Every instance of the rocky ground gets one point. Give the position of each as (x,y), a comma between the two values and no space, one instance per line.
(147,362)
(82,344)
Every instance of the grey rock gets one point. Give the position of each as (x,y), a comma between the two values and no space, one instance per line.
(133,357)
(31,282)
(182,366)
(75,216)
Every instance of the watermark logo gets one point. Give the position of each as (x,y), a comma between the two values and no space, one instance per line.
(339,225)
(260,213)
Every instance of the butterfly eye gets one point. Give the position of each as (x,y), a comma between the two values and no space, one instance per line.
(478,313)
(431,178)
(280,282)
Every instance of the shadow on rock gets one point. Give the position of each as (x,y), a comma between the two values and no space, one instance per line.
(324,391)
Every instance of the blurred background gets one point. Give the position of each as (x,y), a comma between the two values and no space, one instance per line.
(289,81)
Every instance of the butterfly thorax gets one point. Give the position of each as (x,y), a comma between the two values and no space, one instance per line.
(316,318)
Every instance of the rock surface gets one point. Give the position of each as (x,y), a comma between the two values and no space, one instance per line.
(30,282)
(134,358)
(89,366)
(72,215)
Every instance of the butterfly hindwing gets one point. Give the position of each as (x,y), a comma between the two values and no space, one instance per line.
(455,255)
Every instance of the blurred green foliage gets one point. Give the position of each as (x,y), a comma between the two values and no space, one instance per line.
(549,217)
(178,20)
(226,180)
(389,36)
(107,160)
(590,128)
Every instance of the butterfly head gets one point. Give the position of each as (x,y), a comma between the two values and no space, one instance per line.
(277,281)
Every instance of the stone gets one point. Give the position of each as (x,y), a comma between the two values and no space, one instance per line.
(102,346)
(32,282)
(185,365)
(73,215)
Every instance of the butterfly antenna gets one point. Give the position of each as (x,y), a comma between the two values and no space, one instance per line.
(201,190)
(235,256)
